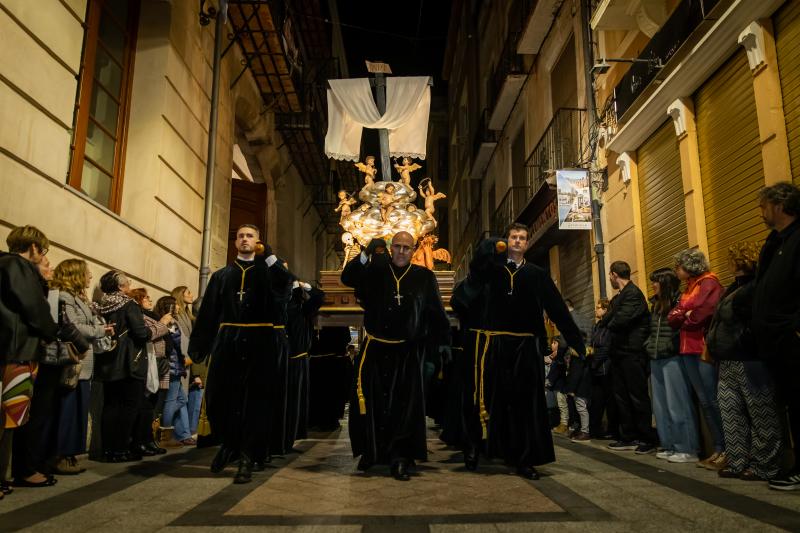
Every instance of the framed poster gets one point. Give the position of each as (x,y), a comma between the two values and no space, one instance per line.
(574,199)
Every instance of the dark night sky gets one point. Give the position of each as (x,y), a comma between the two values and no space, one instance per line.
(410,35)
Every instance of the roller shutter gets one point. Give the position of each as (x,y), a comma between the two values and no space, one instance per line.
(575,263)
(731,168)
(787,32)
(661,199)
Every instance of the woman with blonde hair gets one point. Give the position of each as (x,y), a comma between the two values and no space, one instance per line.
(747,401)
(72,278)
(184,317)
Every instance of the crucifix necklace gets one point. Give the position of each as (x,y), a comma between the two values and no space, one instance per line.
(397,295)
(241,292)
(511,276)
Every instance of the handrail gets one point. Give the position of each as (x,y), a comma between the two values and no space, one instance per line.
(563,144)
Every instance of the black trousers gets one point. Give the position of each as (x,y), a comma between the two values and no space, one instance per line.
(122,400)
(629,375)
(602,402)
(143,427)
(785,371)
(35,442)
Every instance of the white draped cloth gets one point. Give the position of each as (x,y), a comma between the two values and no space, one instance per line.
(351,108)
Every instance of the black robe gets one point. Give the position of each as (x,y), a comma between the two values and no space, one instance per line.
(517,428)
(393,425)
(245,391)
(331,375)
(300,327)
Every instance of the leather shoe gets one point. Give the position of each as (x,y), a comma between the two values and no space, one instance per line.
(400,471)
(528,472)
(155,448)
(259,466)
(245,472)
(728,472)
(221,460)
(364,464)
(471,459)
(142,450)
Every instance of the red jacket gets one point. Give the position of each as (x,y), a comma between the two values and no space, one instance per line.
(699,300)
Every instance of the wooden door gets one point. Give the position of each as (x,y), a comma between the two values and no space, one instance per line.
(248,206)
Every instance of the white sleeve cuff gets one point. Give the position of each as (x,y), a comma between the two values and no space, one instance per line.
(271,260)
(295,284)
(364,258)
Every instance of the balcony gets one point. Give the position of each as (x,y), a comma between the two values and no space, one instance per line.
(538,17)
(507,80)
(511,206)
(646,16)
(564,144)
(483,147)
(470,235)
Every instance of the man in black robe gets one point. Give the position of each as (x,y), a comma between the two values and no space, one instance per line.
(402,307)
(240,329)
(331,376)
(303,306)
(509,410)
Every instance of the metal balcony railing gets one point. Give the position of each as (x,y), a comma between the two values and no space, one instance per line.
(509,63)
(564,144)
(510,208)
(483,134)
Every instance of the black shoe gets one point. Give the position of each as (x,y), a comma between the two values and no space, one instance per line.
(400,471)
(528,472)
(245,472)
(142,451)
(155,448)
(621,446)
(644,448)
(364,464)
(222,459)
(471,458)
(259,466)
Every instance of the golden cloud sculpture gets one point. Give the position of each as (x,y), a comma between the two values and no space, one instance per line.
(388,208)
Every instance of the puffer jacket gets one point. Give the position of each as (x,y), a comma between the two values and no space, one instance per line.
(663,341)
(730,336)
(701,297)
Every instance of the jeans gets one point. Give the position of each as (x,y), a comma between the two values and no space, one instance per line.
(195,403)
(175,412)
(672,406)
(582,406)
(703,379)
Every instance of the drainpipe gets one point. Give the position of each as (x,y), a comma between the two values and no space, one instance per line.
(205,257)
(588,56)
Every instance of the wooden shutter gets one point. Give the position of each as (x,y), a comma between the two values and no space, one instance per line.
(662,199)
(731,167)
(787,32)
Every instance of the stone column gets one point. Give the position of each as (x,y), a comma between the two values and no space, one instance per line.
(759,41)
(683,117)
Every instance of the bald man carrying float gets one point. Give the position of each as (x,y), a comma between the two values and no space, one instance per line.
(403,312)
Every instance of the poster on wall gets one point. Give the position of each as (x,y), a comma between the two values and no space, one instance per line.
(574,200)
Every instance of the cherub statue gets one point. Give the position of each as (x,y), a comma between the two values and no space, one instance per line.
(345,202)
(405,170)
(430,195)
(351,247)
(368,169)
(386,199)
(425,255)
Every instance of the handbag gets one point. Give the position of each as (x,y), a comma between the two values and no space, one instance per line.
(70,376)
(58,352)
(152,381)
(103,344)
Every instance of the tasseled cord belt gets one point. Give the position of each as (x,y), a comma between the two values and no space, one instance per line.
(203,425)
(480,363)
(362,402)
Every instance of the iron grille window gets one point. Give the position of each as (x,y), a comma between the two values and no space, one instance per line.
(103,100)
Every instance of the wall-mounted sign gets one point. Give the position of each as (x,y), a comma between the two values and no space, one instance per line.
(574,199)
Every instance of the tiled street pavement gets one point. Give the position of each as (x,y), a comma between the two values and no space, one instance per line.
(319,490)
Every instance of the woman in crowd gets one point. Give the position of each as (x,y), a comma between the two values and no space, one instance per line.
(750,419)
(602,396)
(693,316)
(672,398)
(184,317)
(143,440)
(72,278)
(123,369)
(175,419)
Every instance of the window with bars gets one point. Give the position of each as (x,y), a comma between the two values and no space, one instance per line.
(103,100)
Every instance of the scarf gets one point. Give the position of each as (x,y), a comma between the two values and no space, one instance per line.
(112,302)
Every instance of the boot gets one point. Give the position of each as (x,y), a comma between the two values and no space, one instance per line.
(167,439)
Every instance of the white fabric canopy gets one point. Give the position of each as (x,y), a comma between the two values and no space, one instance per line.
(351,108)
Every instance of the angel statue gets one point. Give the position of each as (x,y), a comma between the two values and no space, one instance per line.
(405,170)
(368,169)
(425,255)
(386,199)
(430,195)
(351,247)
(345,203)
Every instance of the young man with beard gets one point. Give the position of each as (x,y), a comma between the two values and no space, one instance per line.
(509,410)
(240,330)
(402,313)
